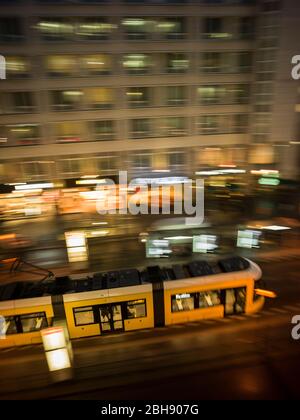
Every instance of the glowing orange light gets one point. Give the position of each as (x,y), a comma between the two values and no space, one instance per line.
(265,293)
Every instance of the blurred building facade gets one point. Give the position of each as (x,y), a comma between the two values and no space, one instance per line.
(95,86)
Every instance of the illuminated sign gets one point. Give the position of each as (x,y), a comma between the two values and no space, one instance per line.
(56,350)
(183,296)
(272,182)
(204,243)
(158,248)
(248,238)
(76,246)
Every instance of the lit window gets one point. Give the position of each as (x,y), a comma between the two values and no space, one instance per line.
(61,65)
(136,309)
(191,301)
(138,27)
(8,327)
(97,64)
(64,100)
(58,29)
(33,322)
(136,63)
(84,316)
(172,28)
(24,134)
(138,96)
(209,299)
(183,302)
(99,97)
(177,63)
(213,29)
(17,67)
(94,28)
(69,131)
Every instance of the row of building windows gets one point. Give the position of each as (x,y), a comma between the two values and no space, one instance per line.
(94,28)
(135,97)
(175,160)
(78,131)
(228,62)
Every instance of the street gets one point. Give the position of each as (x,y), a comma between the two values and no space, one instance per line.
(241,357)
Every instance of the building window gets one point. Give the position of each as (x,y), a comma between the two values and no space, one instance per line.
(24,134)
(104,130)
(213,28)
(136,309)
(137,63)
(22,102)
(55,29)
(61,65)
(107,164)
(176,95)
(66,100)
(176,159)
(208,124)
(99,98)
(17,67)
(69,131)
(173,27)
(223,94)
(94,28)
(140,128)
(142,161)
(247,27)
(10,29)
(33,322)
(211,94)
(211,62)
(69,167)
(172,126)
(97,64)
(84,316)
(222,124)
(36,170)
(240,123)
(138,97)
(138,27)
(177,63)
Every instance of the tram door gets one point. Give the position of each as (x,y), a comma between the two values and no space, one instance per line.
(111,318)
(234,300)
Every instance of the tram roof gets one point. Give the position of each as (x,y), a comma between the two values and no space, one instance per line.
(120,279)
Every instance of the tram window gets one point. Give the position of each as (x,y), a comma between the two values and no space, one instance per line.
(84,316)
(9,326)
(183,302)
(33,322)
(136,309)
(209,298)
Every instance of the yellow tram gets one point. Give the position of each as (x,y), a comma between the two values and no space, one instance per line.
(127,300)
